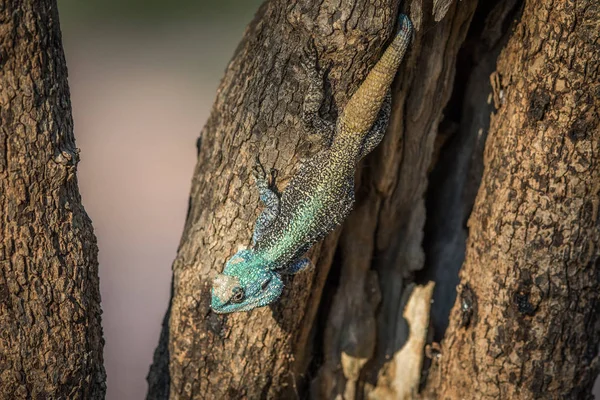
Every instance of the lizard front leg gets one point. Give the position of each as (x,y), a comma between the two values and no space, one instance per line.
(313,99)
(268,196)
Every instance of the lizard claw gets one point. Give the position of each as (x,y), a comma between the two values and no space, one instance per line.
(260,175)
(308,60)
(258,171)
(273,173)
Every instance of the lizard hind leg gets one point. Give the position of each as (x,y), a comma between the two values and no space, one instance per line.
(377,131)
(269,196)
(313,99)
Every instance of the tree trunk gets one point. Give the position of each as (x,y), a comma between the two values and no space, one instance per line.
(354,327)
(272,351)
(525,324)
(51,341)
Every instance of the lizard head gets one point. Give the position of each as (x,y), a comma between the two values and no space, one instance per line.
(245,283)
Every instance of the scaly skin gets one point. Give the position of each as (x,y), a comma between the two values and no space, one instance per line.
(319,196)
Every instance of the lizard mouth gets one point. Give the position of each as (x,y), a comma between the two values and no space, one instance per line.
(223,288)
(263,294)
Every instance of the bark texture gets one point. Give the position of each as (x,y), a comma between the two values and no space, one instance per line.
(365,330)
(257,110)
(458,164)
(51,339)
(525,323)
(275,352)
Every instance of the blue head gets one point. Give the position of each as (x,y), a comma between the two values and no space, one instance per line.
(245,283)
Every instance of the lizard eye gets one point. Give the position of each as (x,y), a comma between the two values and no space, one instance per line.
(238,295)
(265,283)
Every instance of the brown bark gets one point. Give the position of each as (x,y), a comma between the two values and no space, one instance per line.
(271,352)
(51,339)
(381,246)
(257,110)
(353,327)
(525,323)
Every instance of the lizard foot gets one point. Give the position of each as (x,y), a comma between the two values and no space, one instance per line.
(318,128)
(268,195)
(260,175)
(272,179)
(308,60)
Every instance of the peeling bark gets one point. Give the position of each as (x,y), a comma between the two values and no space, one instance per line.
(51,340)
(525,323)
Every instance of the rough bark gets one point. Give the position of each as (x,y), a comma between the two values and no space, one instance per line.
(273,352)
(51,339)
(458,165)
(352,327)
(257,110)
(525,323)
(381,248)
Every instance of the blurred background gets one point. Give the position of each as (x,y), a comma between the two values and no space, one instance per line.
(143,76)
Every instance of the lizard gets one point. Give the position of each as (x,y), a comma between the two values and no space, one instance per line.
(320,195)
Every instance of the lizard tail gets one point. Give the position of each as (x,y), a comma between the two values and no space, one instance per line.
(361,111)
